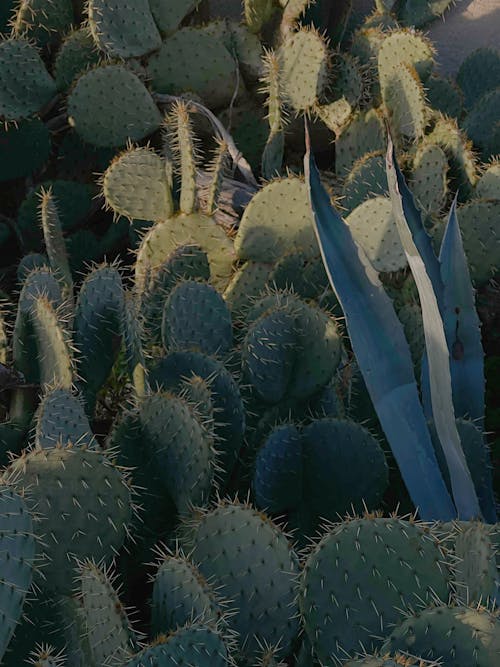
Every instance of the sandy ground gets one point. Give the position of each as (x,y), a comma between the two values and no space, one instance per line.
(467,26)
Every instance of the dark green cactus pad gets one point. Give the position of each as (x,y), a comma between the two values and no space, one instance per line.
(98,325)
(169,15)
(479,121)
(456,636)
(479,74)
(107,629)
(17,553)
(366,179)
(410,316)
(488,186)
(249,558)
(418,13)
(193,59)
(77,53)
(61,419)
(79,161)
(43,21)
(135,185)
(364,134)
(305,276)
(193,645)
(129,114)
(84,504)
(187,262)
(277,220)
(182,448)
(344,468)
(477,221)
(196,316)
(24,149)
(25,85)
(123,29)
(181,595)
(358,577)
(169,373)
(277,482)
(445,96)
(304,69)
(268,354)
(349,79)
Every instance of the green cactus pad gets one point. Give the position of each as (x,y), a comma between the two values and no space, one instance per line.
(43,21)
(123,29)
(61,418)
(479,74)
(25,85)
(404,100)
(418,13)
(246,283)
(344,468)
(277,482)
(479,121)
(196,316)
(349,80)
(98,321)
(477,221)
(456,636)
(24,149)
(107,628)
(225,396)
(358,578)
(29,263)
(373,226)
(181,595)
(306,277)
(129,114)
(192,645)
(54,241)
(182,447)
(169,15)
(488,186)
(428,182)
(17,553)
(194,229)
(366,179)
(77,53)
(304,65)
(135,185)
(405,47)
(364,134)
(269,352)
(248,49)
(53,345)
(257,13)
(84,504)
(445,96)
(192,59)
(366,43)
(276,221)
(335,115)
(249,558)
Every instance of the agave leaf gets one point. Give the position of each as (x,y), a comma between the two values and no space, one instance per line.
(464,493)
(382,352)
(463,335)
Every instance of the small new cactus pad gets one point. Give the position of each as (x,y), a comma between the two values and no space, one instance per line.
(182,448)
(170,372)
(196,316)
(364,134)
(43,21)
(54,352)
(303,59)
(193,60)
(358,577)
(128,113)
(135,185)
(17,553)
(181,595)
(25,85)
(107,629)
(478,74)
(192,645)
(373,226)
(249,558)
(61,419)
(54,241)
(366,179)
(477,221)
(429,183)
(24,149)
(124,29)
(84,505)
(456,636)
(77,53)
(169,15)
(276,221)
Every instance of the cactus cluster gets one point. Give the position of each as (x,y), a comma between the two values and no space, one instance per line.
(191,468)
